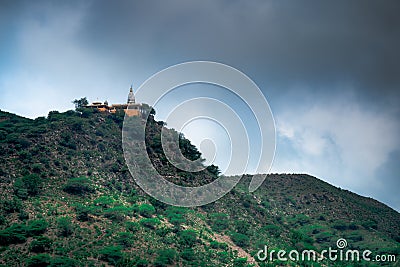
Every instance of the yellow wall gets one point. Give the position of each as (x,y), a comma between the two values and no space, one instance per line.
(132,112)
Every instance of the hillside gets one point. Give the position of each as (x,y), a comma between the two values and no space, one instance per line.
(68,199)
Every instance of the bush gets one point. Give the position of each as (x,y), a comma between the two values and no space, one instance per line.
(188,254)
(132,226)
(111,254)
(39,260)
(29,185)
(146,210)
(23,215)
(165,257)
(323,237)
(150,222)
(240,239)
(242,227)
(78,186)
(370,224)
(218,245)
(175,215)
(340,225)
(125,239)
(36,227)
(273,230)
(14,234)
(82,212)
(18,233)
(64,226)
(12,205)
(117,213)
(298,237)
(3,219)
(41,244)
(188,237)
(219,221)
(240,262)
(135,262)
(64,262)
(104,201)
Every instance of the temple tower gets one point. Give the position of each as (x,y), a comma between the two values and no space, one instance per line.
(131,97)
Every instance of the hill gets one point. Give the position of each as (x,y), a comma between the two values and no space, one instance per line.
(68,200)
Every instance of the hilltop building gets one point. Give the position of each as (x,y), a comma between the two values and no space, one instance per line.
(131,108)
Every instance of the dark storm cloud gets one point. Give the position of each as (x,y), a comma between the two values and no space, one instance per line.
(314,42)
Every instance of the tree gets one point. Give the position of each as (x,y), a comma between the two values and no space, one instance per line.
(79,103)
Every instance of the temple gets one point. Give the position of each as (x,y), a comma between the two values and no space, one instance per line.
(131,108)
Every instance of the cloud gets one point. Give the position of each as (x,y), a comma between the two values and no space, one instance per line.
(341,141)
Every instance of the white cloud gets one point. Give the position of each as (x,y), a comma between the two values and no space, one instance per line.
(341,142)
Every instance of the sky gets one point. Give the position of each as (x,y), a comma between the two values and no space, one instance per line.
(329,70)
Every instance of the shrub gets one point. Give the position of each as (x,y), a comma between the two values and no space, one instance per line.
(273,230)
(104,201)
(323,237)
(29,185)
(12,205)
(111,254)
(125,239)
(3,219)
(23,215)
(340,225)
(150,222)
(240,239)
(165,257)
(188,237)
(175,215)
(219,221)
(41,244)
(146,210)
(14,234)
(298,237)
(37,168)
(82,212)
(188,254)
(78,186)
(64,226)
(136,261)
(117,213)
(64,262)
(36,227)
(242,227)
(240,262)
(132,226)
(370,224)
(354,236)
(39,260)
(218,245)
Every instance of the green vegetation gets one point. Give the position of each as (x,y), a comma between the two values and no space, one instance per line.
(78,186)
(69,200)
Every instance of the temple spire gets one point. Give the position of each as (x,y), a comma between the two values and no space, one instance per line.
(131,96)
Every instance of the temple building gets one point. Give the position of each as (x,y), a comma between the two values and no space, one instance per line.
(131,108)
